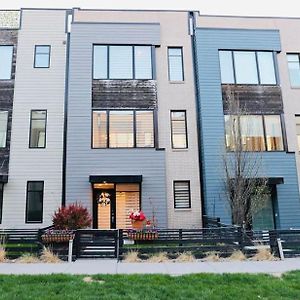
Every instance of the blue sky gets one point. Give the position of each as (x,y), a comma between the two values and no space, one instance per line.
(287,8)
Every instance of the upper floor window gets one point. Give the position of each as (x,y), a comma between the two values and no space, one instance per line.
(298,131)
(179,129)
(247,67)
(6,58)
(42,56)
(254,132)
(123,129)
(122,62)
(38,121)
(3,128)
(175,64)
(294,69)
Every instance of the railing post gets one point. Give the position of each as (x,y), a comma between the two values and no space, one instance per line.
(70,252)
(180,237)
(77,241)
(273,234)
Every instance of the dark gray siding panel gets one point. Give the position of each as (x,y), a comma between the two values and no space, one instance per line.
(208,42)
(119,33)
(7,37)
(82,161)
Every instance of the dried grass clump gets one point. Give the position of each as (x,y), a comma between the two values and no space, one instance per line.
(49,257)
(237,255)
(132,257)
(158,258)
(28,258)
(186,257)
(2,249)
(263,254)
(212,256)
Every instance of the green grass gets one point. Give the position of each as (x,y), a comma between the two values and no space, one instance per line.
(200,286)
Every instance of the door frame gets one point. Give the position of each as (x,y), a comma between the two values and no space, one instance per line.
(114,202)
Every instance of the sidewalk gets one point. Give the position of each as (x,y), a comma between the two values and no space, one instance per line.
(90,267)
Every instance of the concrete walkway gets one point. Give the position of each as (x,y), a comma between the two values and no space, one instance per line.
(90,267)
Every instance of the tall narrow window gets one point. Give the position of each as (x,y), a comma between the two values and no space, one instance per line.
(179,130)
(6,57)
(3,128)
(294,69)
(99,129)
(38,129)
(144,129)
(100,62)
(232,133)
(42,57)
(273,133)
(266,67)
(175,64)
(121,129)
(34,202)
(142,62)
(182,195)
(1,201)
(226,65)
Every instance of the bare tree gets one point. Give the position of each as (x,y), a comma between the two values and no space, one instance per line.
(246,189)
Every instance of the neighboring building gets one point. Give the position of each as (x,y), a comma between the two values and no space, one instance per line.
(122,110)
(250,56)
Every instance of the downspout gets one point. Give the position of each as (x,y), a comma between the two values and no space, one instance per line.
(197,98)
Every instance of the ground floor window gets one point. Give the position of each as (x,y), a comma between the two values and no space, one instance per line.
(34,201)
(113,204)
(182,194)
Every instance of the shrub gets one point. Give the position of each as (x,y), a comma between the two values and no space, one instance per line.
(237,255)
(158,258)
(132,256)
(186,257)
(28,258)
(2,249)
(264,254)
(72,217)
(212,256)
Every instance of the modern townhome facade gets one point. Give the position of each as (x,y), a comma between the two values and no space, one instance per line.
(257,60)
(128,110)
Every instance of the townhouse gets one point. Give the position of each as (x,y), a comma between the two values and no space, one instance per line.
(122,110)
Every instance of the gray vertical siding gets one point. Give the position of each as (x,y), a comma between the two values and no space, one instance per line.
(208,42)
(83,161)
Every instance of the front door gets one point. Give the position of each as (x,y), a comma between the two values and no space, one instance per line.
(104,209)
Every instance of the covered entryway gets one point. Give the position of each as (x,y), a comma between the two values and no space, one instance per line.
(114,197)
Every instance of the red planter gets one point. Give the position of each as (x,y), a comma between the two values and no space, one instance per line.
(138,225)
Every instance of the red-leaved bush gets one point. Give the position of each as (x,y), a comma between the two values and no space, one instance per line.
(72,217)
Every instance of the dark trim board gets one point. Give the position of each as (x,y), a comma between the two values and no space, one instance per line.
(116,178)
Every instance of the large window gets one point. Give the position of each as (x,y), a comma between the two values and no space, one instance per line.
(182,195)
(34,202)
(247,67)
(122,62)
(175,64)
(6,57)
(38,121)
(179,130)
(123,129)
(294,69)
(254,132)
(42,56)
(3,128)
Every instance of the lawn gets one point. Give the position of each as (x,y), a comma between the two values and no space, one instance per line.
(143,287)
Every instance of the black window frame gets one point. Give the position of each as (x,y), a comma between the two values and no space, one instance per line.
(30,128)
(182,63)
(1,200)
(134,128)
(283,135)
(42,199)
(35,54)
(6,128)
(186,129)
(133,61)
(189,191)
(256,65)
(12,62)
